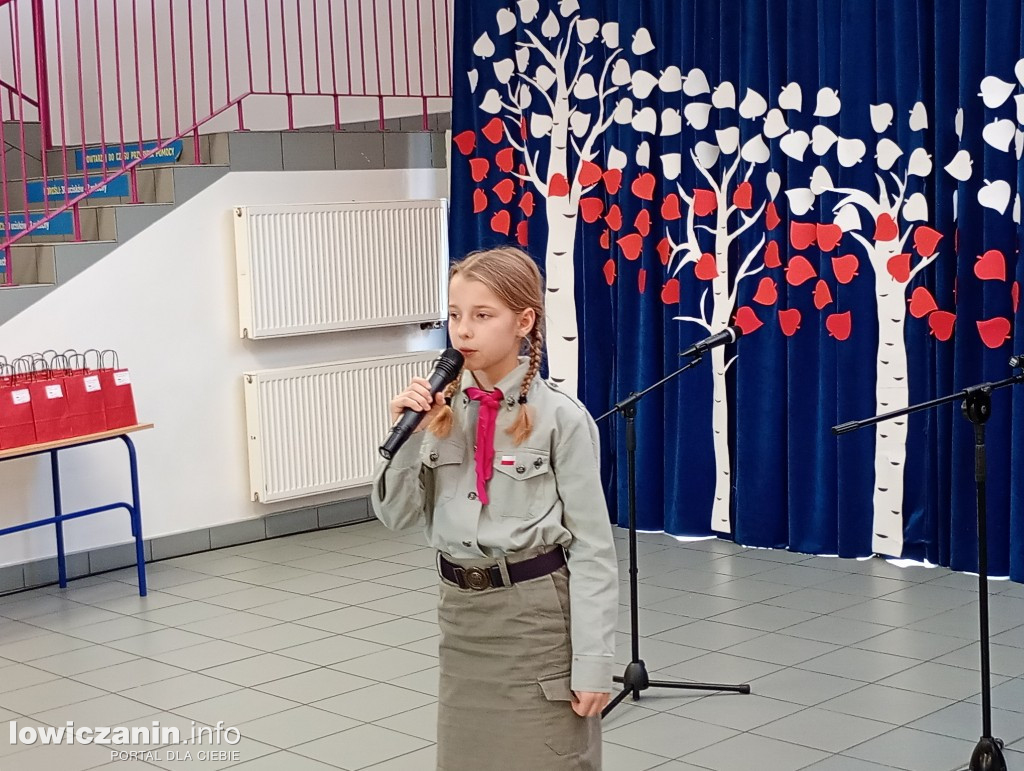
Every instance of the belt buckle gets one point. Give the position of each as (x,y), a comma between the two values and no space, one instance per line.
(474,578)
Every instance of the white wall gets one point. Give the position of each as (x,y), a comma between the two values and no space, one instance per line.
(167,302)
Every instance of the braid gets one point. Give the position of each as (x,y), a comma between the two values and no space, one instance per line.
(523,424)
(441,425)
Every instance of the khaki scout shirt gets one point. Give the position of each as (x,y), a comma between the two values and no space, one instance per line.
(549,494)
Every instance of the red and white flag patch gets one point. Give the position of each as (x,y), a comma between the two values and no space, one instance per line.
(508,460)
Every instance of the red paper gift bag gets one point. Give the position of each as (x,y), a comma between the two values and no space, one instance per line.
(50,408)
(87,412)
(118,399)
(17,423)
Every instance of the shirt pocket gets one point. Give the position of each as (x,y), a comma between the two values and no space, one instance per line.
(443,461)
(523,485)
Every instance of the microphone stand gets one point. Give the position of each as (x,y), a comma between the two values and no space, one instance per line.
(977,408)
(635,680)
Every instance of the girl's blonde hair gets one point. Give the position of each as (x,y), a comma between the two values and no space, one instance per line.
(514,278)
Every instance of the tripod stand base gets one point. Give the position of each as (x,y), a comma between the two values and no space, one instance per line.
(988,755)
(635,680)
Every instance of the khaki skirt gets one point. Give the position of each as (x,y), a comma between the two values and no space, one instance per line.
(505,657)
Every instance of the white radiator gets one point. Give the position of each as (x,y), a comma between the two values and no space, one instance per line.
(316,429)
(328,267)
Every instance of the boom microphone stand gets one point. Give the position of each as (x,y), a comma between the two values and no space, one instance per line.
(635,678)
(977,408)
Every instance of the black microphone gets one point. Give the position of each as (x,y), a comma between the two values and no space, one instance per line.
(445,372)
(725,337)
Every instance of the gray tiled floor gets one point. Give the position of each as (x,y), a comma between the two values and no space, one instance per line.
(321,648)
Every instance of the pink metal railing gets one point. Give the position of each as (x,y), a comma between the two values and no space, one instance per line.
(122,81)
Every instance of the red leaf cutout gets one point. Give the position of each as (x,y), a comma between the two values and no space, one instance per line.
(663,249)
(991,266)
(606,239)
(631,245)
(789,321)
(465,141)
(612,181)
(641,280)
(670,208)
(885,228)
(505,190)
(590,173)
(799,271)
(922,302)
(802,234)
(925,240)
(479,201)
(822,294)
(614,217)
(591,208)
(767,292)
(526,203)
(994,332)
(771,216)
(839,324)
(609,271)
(829,236)
(941,324)
(478,168)
(704,202)
(501,222)
(558,186)
(523,232)
(771,255)
(706,268)
(670,292)
(845,267)
(1015,295)
(494,130)
(504,159)
(643,186)
(747,320)
(743,196)
(643,222)
(899,267)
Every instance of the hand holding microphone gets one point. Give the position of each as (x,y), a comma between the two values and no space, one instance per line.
(422,398)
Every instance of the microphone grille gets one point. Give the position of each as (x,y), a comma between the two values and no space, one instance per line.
(450,362)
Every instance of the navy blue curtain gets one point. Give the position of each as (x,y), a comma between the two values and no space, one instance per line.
(864,103)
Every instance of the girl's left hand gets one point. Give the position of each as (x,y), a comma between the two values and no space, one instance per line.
(589,703)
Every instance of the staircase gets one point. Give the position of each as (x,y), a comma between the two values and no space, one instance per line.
(49,258)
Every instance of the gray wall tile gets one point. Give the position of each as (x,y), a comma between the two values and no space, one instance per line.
(287,522)
(408,151)
(344,512)
(45,571)
(359,151)
(181,543)
(12,578)
(308,151)
(255,151)
(113,557)
(238,532)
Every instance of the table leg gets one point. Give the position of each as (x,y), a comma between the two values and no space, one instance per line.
(62,570)
(136,516)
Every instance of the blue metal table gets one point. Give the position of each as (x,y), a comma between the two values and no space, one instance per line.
(59,516)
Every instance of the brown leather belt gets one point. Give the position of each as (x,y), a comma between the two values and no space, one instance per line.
(489,576)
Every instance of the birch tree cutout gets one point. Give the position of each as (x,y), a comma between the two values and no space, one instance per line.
(717,213)
(556,97)
(886,226)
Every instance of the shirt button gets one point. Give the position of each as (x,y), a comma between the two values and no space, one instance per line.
(472,496)
(433,456)
(467,543)
(521,469)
